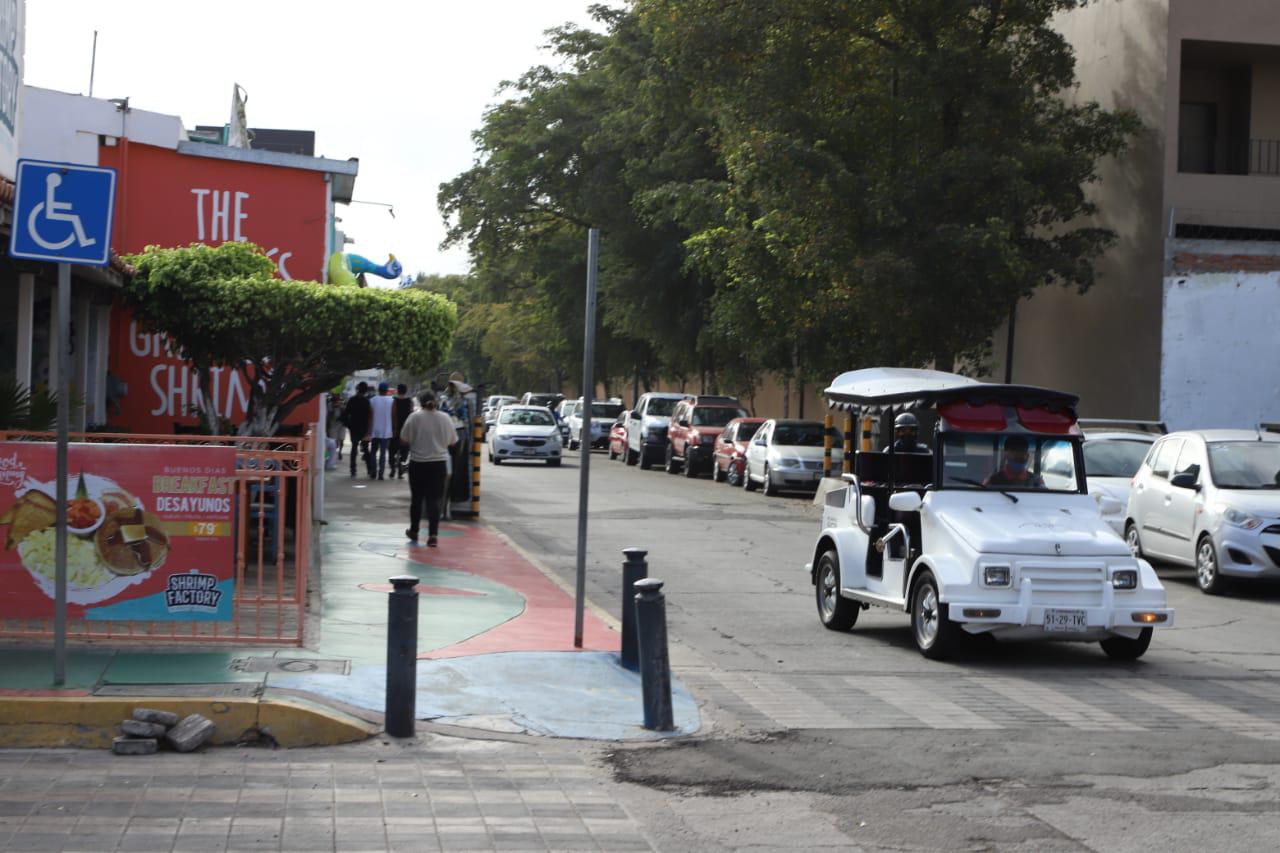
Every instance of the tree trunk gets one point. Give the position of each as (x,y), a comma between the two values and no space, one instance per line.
(786,395)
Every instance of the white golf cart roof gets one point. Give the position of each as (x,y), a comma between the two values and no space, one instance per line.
(879,389)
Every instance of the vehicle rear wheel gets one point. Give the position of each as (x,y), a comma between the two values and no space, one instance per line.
(1126,648)
(746,479)
(717,473)
(837,613)
(1132,540)
(1208,572)
(690,470)
(672,464)
(646,461)
(770,490)
(495,460)
(935,634)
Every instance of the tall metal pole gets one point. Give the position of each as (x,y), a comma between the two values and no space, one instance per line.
(60,530)
(584,459)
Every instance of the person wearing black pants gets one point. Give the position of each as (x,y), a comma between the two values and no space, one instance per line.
(428,434)
(358,417)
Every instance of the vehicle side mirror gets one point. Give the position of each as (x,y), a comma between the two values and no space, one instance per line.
(634,415)
(905,502)
(1186,480)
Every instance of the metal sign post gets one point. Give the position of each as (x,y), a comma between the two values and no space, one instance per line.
(62,212)
(584,443)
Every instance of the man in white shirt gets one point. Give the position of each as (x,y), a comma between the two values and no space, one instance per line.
(428,433)
(381,427)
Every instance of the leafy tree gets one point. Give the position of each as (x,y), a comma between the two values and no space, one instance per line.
(290,340)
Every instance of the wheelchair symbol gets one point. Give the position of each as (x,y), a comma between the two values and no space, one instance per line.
(56,211)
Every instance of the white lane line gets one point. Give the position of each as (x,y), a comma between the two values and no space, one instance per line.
(920,702)
(1056,704)
(1203,711)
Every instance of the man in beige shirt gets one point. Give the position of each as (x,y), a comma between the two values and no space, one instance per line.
(428,434)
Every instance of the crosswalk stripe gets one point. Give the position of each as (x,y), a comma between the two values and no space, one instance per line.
(1262,689)
(917,700)
(1056,704)
(772,696)
(1201,710)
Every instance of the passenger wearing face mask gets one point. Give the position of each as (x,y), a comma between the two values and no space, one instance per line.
(1014,470)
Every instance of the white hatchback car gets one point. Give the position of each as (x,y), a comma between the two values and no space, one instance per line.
(1210,499)
(525,432)
(784,455)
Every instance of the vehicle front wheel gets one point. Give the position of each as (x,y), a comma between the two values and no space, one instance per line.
(646,461)
(495,460)
(690,470)
(1131,539)
(631,456)
(770,490)
(837,613)
(747,482)
(1125,648)
(1208,573)
(935,634)
(672,464)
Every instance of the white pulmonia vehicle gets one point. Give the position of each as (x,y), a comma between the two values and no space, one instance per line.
(972,538)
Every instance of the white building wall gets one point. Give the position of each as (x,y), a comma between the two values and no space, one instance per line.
(65,128)
(1220,364)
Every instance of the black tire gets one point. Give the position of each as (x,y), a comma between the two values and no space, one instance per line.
(631,456)
(1208,570)
(718,474)
(1132,539)
(936,636)
(770,490)
(835,612)
(612,454)
(646,461)
(553,463)
(672,465)
(495,460)
(1123,648)
(746,479)
(731,475)
(690,470)
(574,445)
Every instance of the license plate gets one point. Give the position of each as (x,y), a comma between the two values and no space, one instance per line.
(1065,620)
(529,451)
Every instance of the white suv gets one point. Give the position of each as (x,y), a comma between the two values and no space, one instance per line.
(647,427)
(1210,499)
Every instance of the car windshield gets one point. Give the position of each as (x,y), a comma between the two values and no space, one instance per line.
(1008,462)
(660,407)
(541,400)
(798,435)
(1245,464)
(606,410)
(715,416)
(1119,457)
(527,417)
(745,431)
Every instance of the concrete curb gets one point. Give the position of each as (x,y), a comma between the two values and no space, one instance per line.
(91,721)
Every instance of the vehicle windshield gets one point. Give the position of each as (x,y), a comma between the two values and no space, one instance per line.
(527,417)
(606,410)
(1120,457)
(542,400)
(798,435)
(715,416)
(660,407)
(745,431)
(1007,463)
(1245,464)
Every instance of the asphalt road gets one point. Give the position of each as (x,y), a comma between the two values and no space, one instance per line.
(853,740)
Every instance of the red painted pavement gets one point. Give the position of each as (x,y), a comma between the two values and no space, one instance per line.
(546,625)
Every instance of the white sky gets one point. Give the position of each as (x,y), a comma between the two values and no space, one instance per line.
(400,85)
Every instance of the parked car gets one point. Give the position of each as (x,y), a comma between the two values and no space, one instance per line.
(695,426)
(603,415)
(563,412)
(494,404)
(618,436)
(647,427)
(729,453)
(525,432)
(973,538)
(1113,451)
(784,455)
(1210,499)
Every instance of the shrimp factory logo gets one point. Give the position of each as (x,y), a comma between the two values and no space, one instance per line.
(194,592)
(12,471)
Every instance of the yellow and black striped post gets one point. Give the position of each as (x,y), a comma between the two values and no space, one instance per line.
(867,423)
(847,466)
(827,440)
(477,438)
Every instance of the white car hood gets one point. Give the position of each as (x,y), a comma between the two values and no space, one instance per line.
(1264,503)
(1034,527)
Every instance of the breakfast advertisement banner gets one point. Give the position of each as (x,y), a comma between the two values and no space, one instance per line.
(149,531)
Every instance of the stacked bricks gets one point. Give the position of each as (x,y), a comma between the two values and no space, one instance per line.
(1193,262)
(143,733)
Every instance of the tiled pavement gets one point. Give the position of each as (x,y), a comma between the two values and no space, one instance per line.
(441,794)
(1245,706)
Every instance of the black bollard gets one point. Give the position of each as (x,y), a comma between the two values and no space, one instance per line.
(655,667)
(402,656)
(634,568)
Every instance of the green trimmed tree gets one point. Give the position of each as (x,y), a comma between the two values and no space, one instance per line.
(290,340)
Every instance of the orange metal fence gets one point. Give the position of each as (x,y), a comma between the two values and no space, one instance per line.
(274,490)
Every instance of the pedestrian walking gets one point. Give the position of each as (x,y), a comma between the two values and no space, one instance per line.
(337,422)
(401,409)
(359,416)
(380,428)
(428,433)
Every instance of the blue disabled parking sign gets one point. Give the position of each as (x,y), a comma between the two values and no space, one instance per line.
(62,212)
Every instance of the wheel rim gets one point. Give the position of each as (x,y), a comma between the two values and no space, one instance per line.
(1206,564)
(1131,538)
(827,592)
(927,616)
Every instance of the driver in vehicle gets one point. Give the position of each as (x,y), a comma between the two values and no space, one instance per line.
(1014,467)
(905,432)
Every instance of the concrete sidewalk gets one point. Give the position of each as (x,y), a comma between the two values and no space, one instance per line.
(495,645)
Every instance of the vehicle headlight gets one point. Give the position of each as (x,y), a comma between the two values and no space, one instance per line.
(995,575)
(1239,518)
(1125,579)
